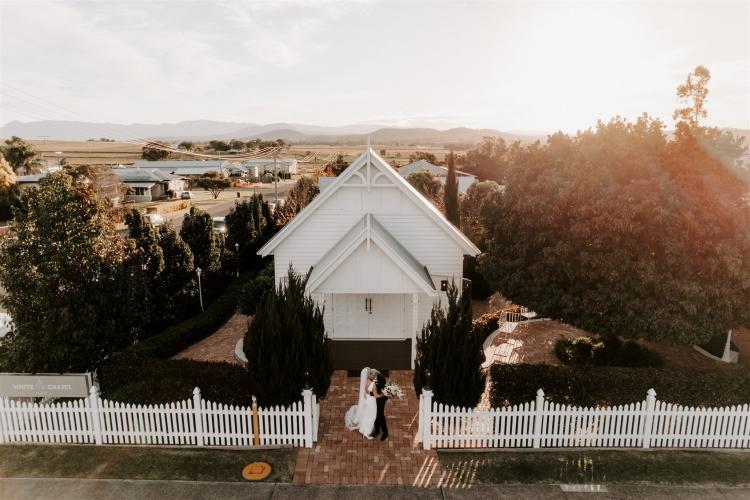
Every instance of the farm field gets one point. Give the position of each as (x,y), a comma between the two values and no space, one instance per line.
(109,153)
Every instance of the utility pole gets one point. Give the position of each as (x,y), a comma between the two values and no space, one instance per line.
(275,180)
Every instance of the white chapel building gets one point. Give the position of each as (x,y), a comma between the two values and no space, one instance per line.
(377,255)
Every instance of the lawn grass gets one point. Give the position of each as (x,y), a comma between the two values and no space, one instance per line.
(126,462)
(579,467)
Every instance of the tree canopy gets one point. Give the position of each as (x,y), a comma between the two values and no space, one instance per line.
(249,225)
(303,192)
(426,183)
(198,232)
(213,183)
(21,154)
(423,155)
(154,154)
(68,283)
(450,193)
(617,230)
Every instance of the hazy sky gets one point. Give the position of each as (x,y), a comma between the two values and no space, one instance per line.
(512,66)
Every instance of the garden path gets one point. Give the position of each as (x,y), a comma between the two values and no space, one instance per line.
(219,346)
(342,456)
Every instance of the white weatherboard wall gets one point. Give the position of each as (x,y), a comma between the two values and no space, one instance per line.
(191,422)
(542,424)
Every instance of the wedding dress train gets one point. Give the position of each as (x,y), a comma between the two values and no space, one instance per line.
(362,416)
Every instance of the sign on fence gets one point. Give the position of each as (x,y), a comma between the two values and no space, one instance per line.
(45,385)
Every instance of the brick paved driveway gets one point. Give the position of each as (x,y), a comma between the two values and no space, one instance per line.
(342,456)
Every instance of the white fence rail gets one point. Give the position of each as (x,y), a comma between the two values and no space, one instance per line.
(192,422)
(542,424)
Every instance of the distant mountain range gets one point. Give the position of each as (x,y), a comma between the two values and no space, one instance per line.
(201,130)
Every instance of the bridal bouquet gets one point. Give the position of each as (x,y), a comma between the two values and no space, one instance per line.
(392,390)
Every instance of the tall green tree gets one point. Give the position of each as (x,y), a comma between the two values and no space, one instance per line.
(177,279)
(68,286)
(488,160)
(303,192)
(249,225)
(450,348)
(286,339)
(21,155)
(450,193)
(423,155)
(426,183)
(619,231)
(214,183)
(198,232)
(147,259)
(154,153)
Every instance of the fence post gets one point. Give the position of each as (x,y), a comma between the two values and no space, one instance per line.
(426,418)
(198,412)
(316,417)
(307,397)
(256,422)
(538,412)
(649,417)
(419,419)
(3,428)
(94,412)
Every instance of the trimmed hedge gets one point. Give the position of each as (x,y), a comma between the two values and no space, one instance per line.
(607,350)
(592,386)
(177,337)
(130,378)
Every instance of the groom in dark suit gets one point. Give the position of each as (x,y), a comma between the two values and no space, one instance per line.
(380,399)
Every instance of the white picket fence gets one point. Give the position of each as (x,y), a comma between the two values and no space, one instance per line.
(542,424)
(192,422)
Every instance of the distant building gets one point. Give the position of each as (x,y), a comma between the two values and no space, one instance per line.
(464,180)
(190,168)
(150,184)
(282,165)
(26,182)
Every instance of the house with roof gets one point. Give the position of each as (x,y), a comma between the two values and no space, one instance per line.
(377,255)
(464,179)
(191,168)
(146,184)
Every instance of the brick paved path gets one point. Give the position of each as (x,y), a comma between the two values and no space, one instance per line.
(219,346)
(342,456)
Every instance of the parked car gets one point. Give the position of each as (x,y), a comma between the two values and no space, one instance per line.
(220,225)
(6,324)
(155,219)
(186,195)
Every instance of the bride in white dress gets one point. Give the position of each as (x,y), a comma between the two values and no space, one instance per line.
(362,416)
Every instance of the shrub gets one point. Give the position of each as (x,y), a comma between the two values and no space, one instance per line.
(286,339)
(256,290)
(605,351)
(592,385)
(130,378)
(450,347)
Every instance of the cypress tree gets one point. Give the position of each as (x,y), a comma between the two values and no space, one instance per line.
(146,260)
(198,232)
(285,339)
(450,193)
(450,347)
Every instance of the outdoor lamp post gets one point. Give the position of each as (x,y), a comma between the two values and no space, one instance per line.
(237,258)
(200,290)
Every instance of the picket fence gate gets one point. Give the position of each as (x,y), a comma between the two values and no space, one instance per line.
(543,424)
(192,422)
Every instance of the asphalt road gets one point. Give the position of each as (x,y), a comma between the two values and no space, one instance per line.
(95,489)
